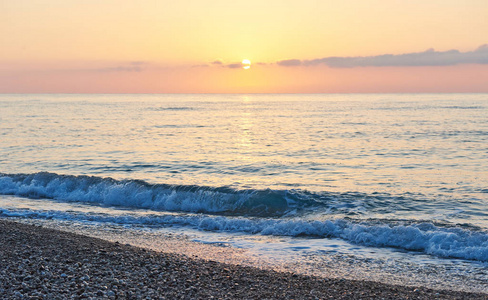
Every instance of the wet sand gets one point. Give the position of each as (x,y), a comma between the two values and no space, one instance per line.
(42,263)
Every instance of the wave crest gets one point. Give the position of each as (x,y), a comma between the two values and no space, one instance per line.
(140,194)
(449,242)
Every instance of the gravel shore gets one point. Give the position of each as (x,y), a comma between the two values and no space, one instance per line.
(41,263)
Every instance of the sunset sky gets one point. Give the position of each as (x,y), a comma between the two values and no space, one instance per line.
(195,46)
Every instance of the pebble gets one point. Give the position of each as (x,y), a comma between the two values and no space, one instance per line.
(107,270)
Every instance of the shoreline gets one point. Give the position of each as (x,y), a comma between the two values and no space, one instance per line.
(389,269)
(44,263)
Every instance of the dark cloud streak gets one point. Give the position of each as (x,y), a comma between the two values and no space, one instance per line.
(426,58)
(133,66)
(289,62)
(120,69)
(234,65)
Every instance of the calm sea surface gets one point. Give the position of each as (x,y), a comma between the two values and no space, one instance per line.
(396,180)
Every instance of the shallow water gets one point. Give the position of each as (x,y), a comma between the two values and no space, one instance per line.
(393,185)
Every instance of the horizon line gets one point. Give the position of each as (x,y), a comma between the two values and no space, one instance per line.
(239,93)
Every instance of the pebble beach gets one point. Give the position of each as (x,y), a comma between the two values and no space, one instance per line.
(42,263)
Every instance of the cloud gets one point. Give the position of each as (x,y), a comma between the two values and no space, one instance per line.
(234,65)
(289,62)
(222,64)
(427,58)
(134,66)
(482,48)
(120,69)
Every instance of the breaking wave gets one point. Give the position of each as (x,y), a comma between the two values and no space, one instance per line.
(265,212)
(448,242)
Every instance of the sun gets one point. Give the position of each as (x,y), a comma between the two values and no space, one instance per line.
(246,64)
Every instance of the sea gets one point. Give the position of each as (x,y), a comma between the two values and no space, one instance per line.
(383,187)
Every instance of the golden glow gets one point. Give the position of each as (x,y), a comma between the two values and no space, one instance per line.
(163,46)
(246,64)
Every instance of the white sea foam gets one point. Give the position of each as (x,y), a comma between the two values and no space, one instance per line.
(422,237)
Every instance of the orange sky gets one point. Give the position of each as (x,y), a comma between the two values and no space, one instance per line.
(158,46)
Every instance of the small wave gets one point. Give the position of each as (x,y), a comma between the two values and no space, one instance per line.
(462,107)
(447,242)
(178,108)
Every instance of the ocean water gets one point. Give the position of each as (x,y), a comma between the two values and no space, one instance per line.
(367,186)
